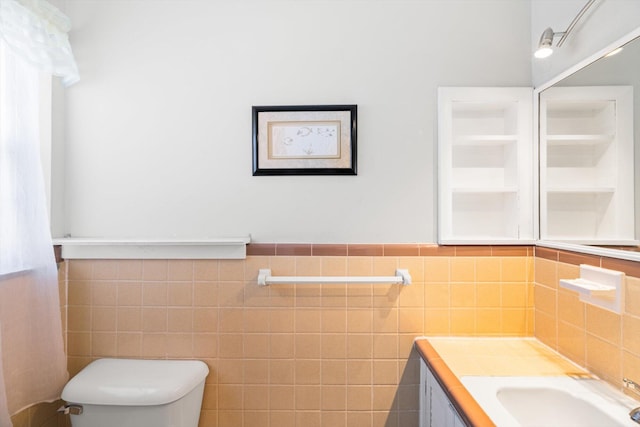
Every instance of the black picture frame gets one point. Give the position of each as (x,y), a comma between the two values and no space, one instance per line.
(305,140)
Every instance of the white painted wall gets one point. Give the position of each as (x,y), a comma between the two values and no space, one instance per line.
(605,22)
(158,131)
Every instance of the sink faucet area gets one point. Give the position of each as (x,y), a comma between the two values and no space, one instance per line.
(520,382)
(547,401)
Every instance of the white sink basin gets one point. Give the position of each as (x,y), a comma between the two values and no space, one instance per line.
(550,401)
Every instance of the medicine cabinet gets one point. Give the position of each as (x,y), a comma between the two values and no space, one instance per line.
(488,183)
(586,165)
(485,165)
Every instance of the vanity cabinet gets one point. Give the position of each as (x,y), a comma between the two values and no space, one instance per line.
(436,409)
(586,165)
(485,152)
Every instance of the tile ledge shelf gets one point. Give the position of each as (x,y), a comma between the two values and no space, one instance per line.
(108,248)
(601,287)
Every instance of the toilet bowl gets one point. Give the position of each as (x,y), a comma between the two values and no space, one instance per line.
(136,393)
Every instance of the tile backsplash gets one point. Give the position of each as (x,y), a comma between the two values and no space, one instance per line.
(338,355)
(286,355)
(606,343)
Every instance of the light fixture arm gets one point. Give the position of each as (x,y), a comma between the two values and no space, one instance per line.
(574,22)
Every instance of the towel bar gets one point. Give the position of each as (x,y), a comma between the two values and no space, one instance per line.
(265,278)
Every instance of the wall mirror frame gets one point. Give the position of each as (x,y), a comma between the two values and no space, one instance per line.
(563,78)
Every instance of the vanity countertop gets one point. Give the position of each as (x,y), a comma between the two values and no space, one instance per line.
(523,356)
(451,358)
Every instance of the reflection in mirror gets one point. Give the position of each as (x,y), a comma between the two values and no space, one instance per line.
(588,123)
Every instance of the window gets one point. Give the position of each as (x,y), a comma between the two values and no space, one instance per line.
(22,199)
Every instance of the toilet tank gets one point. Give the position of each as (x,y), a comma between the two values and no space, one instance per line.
(137,393)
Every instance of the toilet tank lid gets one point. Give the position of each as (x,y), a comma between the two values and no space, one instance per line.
(134,382)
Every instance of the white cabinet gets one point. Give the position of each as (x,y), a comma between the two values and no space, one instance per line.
(435,408)
(586,165)
(485,165)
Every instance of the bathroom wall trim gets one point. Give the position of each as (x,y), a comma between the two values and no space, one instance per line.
(629,267)
(417,249)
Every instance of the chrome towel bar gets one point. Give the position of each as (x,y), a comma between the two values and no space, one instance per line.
(265,278)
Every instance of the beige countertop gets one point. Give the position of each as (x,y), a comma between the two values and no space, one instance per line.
(451,358)
(503,357)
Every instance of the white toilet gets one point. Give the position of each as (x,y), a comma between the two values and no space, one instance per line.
(136,393)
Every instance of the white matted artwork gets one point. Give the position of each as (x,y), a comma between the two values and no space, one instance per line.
(304,140)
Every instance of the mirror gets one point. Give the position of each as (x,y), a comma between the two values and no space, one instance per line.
(589,136)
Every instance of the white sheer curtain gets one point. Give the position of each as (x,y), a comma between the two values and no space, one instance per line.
(37,31)
(32,360)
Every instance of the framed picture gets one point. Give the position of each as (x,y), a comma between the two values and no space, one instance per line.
(304,140)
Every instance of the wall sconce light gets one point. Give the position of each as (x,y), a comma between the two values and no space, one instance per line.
(545,46)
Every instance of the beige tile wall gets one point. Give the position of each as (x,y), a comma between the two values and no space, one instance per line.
(283,355)
(606,343)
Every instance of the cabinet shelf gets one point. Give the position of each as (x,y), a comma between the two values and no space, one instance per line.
(484,140)
(572,139)
(584,190)
(487,190)
(586,157)
(485,165)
